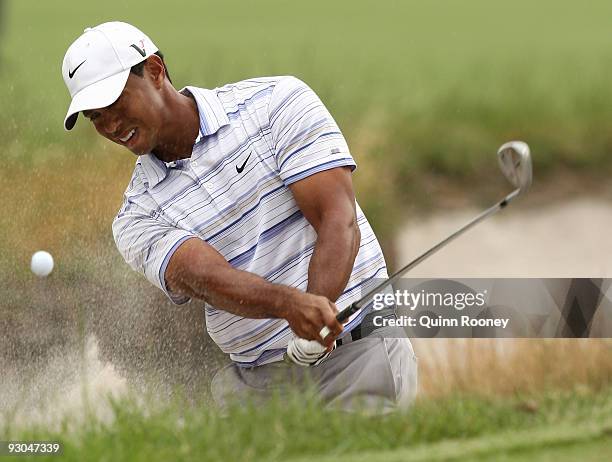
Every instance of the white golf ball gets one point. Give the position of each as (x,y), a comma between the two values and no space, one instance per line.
(42,263)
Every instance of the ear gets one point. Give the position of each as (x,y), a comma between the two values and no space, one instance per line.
(156,70)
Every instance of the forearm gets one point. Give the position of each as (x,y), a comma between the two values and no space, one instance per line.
(333,258)
(197,270)
(238,292)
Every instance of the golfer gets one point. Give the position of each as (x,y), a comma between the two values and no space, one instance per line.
(242,197)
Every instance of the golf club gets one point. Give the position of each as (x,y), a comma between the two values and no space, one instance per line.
(515,162)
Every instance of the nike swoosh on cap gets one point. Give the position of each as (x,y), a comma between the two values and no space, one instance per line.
(71,73)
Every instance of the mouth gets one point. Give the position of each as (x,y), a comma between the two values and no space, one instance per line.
(129,136)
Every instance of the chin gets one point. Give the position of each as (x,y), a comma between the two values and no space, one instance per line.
(139,150)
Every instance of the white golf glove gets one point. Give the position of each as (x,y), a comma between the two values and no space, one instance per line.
(307,352)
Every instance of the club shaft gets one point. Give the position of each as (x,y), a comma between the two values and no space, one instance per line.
(356,306)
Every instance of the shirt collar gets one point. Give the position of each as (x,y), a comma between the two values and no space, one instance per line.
(212,117)
(211,111)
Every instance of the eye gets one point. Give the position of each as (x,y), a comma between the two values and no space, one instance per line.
(92,115)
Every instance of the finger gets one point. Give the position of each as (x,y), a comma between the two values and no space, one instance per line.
(330,321)
(307,332)
(331,324)
(324,332)
(328,339)
(330,314)
(308,328)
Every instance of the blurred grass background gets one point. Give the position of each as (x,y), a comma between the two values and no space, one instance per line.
(424,92)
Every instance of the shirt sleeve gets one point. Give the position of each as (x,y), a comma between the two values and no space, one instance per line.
(306,138)
(147,244)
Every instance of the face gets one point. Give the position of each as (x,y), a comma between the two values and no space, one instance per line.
(133,119)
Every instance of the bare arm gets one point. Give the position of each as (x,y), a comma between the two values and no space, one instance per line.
(196,269)
(327,201)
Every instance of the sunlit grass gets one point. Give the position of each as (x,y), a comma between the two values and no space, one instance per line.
(300,428)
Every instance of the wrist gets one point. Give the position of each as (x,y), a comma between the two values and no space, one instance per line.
(283,299)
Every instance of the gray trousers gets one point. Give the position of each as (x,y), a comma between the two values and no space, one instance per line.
(377,373)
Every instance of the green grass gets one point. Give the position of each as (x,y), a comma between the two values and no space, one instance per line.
(587,441)
(456,428)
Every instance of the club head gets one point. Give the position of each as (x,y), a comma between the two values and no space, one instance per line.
(515,162)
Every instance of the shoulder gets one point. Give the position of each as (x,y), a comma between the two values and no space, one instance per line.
(137,184)
(259,88)
(253,84)
(291,98)
(136,188)
(288,85)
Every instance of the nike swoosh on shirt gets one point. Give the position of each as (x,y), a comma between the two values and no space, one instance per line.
(71,73)
(139,50)
(241,168)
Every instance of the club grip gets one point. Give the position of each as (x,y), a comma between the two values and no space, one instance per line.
(348,312)
(341,317)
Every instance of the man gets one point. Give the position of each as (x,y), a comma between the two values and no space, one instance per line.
(242,197)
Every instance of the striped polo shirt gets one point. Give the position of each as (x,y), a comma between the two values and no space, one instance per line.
(257,137)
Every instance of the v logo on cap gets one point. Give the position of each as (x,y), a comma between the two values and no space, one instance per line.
(139,50)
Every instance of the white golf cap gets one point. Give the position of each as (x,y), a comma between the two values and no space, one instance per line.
(97,65)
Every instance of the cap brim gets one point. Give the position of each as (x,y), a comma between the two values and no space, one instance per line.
(95,96)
